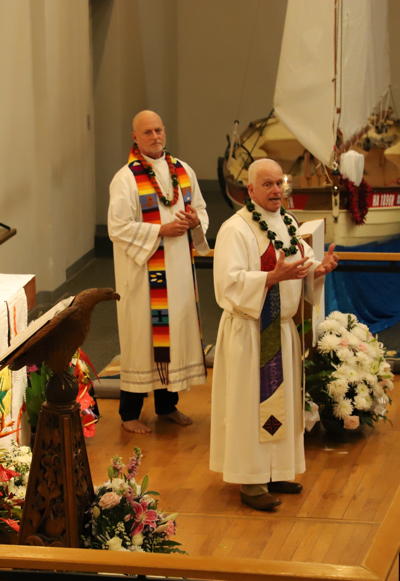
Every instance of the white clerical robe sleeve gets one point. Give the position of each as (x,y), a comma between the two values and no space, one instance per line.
(125,226)
(239,287)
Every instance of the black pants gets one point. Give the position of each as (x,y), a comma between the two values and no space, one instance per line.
(130,404)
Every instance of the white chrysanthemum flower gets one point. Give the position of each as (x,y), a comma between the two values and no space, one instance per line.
(115,544)
(363,360)
(362,402)
(354,342)
(361,332)
(119,485)
(328,343)
(25,450)
(343,408)
(337,388)
(349,373)
(378,390)
(19,492)
(370,378)
(374,366)
(387,384)
(330,326)
(342,318)
(138,539)
(341,371)
(362,389)
(385,370)
(23,459)
(373,350)
(345,354)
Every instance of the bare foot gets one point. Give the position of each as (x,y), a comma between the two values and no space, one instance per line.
(178,418)
(136,427)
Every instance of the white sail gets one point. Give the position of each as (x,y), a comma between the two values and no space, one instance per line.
(304,94)
(364,68)
(333,69)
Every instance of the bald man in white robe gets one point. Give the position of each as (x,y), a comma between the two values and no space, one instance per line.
(135,241)
(256,441)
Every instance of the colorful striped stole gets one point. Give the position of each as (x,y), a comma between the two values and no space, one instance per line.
(156,264)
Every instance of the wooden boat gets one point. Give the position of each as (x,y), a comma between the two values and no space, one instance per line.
(325,106)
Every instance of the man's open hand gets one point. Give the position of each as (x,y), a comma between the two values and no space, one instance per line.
(329,262)
(288,270)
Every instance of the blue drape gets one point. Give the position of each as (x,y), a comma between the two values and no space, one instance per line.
(374,297)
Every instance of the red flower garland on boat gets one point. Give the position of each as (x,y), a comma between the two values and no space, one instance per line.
(357,199)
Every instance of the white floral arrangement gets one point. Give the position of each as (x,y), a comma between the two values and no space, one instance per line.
(15,463)
(347,374)
(124,515)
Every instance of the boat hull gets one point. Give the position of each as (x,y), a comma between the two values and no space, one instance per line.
(382,221)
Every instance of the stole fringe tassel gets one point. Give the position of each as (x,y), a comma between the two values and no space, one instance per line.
(162,368)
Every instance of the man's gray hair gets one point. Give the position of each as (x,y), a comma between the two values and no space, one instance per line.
(257,165)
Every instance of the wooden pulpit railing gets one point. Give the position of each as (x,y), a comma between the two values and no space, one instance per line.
(362,256)
(380,564)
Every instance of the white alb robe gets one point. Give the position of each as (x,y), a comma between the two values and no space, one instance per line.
(240,290)
(134,242)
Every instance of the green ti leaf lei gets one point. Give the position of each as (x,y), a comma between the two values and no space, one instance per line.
(291,228)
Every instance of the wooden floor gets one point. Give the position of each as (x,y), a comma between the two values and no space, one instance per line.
(348,487)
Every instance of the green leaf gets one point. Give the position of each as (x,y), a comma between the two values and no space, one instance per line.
(144,484)
(2,396)
(35,393)
(307,326)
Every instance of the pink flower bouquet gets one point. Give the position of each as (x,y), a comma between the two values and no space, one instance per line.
(124,516)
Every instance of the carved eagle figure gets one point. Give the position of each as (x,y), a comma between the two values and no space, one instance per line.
(56,342)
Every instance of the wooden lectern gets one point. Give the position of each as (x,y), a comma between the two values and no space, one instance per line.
(60,487)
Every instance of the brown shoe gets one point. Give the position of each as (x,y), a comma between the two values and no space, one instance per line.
(264,501)
(283,487)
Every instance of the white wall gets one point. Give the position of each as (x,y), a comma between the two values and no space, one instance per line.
(228,57)
(118,87)
(134,54)
(46,147)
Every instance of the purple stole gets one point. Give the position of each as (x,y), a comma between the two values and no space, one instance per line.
(272,417)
